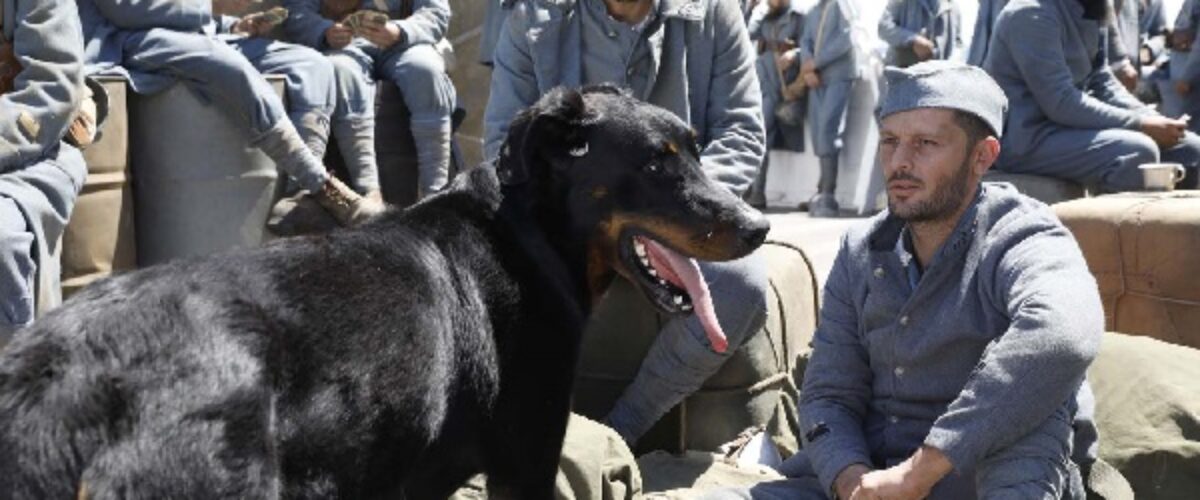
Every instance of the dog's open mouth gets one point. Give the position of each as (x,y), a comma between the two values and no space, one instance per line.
(673,283)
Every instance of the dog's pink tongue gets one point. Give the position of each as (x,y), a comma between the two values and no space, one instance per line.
(688,276)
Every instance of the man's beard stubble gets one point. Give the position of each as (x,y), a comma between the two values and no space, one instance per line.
(944,202)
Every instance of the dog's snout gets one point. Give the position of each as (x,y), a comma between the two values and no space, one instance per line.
(754,231)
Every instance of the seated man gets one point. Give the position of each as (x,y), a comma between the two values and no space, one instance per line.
(694,59)
(956,328)
(920,30)
(312,91)
(41,85)
(1186,76)
(1070,116)
(159,42)
(400,50)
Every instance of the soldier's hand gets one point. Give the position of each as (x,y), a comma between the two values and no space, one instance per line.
(922,47)
(812,79)
(254,25)
(1128,76)
(1166,132)
(383,36)
(338,36)
(786,59)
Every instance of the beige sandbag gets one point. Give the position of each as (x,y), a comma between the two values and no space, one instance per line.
(1142,249)
(1148,412)
(595,465)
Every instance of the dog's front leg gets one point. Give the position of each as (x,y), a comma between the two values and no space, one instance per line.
(523,455)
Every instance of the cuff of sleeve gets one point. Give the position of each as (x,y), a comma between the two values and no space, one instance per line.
(955,444)
(318,41)
(832,459)
(1134,121)
(406,30)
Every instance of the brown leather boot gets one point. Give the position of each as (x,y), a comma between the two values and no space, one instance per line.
(348,207)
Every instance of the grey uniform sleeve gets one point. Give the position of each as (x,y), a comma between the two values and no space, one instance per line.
(1038,364)
(837,382)
(514,85)
(1117,54)
(734,140)
(837,41)
(304,24)
(755,23)
(427,24)
(892,33)
(48,43)
(183,15)
(1038,53)
(1105,87)
(1183,21)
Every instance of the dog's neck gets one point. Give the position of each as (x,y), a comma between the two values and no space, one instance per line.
(562,258)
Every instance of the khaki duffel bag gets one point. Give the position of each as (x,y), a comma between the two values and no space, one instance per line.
(1148,413)
(1144,250)
(756,387)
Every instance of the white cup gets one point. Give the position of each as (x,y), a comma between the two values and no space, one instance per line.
(1161,176)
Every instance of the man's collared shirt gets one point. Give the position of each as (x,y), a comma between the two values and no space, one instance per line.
(614,51)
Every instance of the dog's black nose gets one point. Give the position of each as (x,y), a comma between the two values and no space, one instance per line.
(754,231)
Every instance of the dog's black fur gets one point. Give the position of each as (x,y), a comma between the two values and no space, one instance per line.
(394,359)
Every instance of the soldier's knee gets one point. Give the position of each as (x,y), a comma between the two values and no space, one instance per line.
(17,267)
(739,292)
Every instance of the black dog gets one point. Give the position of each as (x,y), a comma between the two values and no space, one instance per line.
(392,360)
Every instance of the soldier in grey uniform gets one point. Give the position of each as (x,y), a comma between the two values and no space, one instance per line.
(312,90)
(830,67)
(985,21)
(40,176)
(1186,76)
(693,58)
(956,327)
(1070,118)
(158,42)
(401,52)
(920,30)
(775,27)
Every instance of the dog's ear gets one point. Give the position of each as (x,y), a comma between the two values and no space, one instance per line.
(550,130)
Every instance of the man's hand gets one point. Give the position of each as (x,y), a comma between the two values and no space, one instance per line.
(1166,132)
(785,60)
(1182,87)
(911,479)
(922,47)
(808,71)
(338,36)
(848,479)
(1127,75)
(384,36)
(812,79)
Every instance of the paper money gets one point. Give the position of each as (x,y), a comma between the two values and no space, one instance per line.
(358,20)
(272,16)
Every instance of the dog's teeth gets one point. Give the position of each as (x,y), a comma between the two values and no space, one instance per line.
(645,262)
(678,300)
(653,272)
(662,282)
(640,249)
(687,307)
